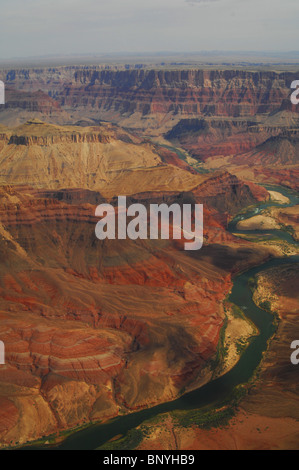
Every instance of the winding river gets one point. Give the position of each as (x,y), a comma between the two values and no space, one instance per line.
(218,390)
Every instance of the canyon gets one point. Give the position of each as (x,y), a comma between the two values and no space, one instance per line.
(98,329)
(91,327)
(241,120)
(267,417)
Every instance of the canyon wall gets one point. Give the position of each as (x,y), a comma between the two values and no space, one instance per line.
(134,97)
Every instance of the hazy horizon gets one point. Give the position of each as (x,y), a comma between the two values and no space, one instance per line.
(72,27)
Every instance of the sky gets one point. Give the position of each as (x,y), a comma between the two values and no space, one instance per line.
(31,28)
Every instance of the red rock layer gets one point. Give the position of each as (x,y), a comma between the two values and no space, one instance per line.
(157,92)
(93,327)
(37,101)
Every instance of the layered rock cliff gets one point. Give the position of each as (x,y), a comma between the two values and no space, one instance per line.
(150,98)
(102,158)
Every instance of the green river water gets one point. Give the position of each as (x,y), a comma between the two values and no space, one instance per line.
(219,390)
